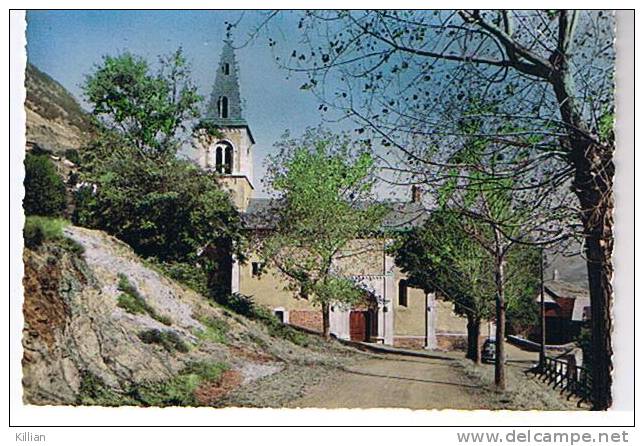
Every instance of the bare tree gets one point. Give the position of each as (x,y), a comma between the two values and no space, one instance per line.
(549,73)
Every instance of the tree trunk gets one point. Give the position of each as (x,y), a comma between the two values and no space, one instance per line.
(499,279)
(326,326)
(593,186)
(473,333)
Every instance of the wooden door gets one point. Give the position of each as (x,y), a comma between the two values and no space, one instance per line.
(358,326)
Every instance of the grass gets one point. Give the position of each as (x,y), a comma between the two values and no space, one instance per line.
(524,392)
(179,391)
(133,302)
(176,391)
(215,329)
(278,329)
(39,230)
(94,392)
(168,339)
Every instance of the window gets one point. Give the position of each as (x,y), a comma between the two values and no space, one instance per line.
(228,159)
(257,269)
(280,315)
(224,157)
(402,293)
(225,68)
(219,156)
(222,105)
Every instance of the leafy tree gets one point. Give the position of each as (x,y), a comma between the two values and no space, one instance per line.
(323,187)
(171,211)
(44,189)
(441,256)
(147,109)
(136,188)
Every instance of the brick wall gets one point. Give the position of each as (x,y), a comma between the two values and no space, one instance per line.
(411,343)
(449,342)
(310,319)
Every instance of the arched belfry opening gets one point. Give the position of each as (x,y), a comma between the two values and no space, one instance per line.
(224,154)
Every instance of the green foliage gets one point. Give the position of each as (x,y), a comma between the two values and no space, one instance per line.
(44,189)
(209,127)
(37,230)
(176,391)
(179,391)
(133,302)
(441,256)
(94,392)
(239,303)
(145,108)
(73,156)
(277,329)
(584,341)
(193,276)
(215,329)
(168,339)
(320,177)
(606,127)
(169,210)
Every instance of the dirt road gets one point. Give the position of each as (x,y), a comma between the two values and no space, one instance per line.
(395,381)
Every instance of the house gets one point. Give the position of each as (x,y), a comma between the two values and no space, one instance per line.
(393,313)
(567,308)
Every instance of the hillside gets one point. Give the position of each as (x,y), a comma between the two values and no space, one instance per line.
(103,327)
(55,120)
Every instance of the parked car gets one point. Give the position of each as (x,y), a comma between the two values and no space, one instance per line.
(488,351)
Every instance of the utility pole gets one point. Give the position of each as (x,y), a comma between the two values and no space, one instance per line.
(542,311)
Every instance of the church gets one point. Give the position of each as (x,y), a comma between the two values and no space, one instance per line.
(396,314)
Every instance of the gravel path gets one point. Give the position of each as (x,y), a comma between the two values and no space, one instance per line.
(394,381)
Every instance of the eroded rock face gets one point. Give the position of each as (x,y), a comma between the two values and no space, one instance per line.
(74,326)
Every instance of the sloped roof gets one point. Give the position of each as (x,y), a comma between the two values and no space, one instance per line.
(571,298)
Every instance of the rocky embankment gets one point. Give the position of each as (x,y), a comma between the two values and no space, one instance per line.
(103,327)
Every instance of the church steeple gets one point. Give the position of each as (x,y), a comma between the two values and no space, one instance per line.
(224,108)
(228,151)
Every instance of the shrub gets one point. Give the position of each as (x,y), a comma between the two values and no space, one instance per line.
(245,306)
(93,391)
(215,329)
(133,302)
(73,156)
(44,189)
(239,303)
(37,230)
(278,329)
(179,391)
(168,339)
(584,341)
(188,274)
(84,201)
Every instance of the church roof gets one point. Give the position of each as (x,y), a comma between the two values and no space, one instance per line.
(225,108)
(261,214)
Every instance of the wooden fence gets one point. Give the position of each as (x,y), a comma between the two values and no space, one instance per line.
(568,376)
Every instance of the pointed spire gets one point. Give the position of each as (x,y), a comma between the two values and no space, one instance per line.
(224,107)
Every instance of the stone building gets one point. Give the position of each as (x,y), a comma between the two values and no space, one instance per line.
(396,314)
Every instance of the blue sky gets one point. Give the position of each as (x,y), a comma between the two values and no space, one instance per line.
(67,44)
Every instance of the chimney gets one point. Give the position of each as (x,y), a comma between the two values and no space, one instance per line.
(555,274)
(416,194)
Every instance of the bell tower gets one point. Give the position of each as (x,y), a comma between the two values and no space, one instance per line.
(229,152)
